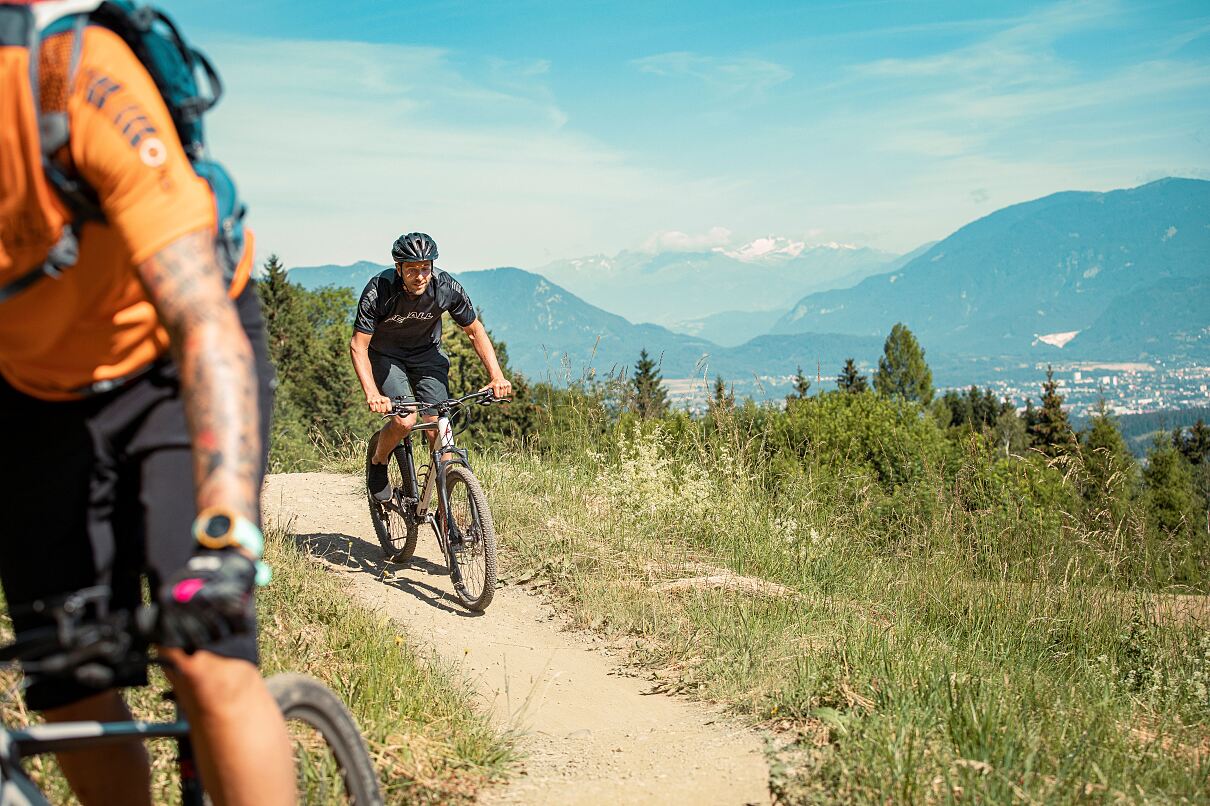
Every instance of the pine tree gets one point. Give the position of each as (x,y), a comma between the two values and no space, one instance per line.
(1051,432)
(1170,493)
(1110,468)
(650,398)
(722,398)
(849,380)
(802,385)
(902,371)
(1193,442)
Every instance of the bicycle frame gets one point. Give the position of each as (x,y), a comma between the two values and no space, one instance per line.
(58,737)
(445,454)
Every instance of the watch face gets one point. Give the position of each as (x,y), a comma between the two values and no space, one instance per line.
(218,526)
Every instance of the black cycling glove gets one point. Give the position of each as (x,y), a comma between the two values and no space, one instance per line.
(210,598)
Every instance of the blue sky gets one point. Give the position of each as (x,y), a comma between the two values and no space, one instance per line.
(521,132)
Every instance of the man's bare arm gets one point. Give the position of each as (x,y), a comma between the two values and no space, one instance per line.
(499,385)
(359,351)
(218,373)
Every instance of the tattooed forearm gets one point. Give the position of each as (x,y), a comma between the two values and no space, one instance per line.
(218,375)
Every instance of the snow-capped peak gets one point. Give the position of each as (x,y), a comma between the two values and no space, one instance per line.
(835,245)
(765,249)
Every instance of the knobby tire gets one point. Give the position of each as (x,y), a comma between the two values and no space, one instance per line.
(305,701)
(396,534)
(477,560)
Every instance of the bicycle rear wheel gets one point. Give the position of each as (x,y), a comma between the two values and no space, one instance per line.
(396,533)
(476,559)
(331,761)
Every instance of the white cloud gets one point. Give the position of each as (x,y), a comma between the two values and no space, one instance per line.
(731,76)
(338,147)
(675,241)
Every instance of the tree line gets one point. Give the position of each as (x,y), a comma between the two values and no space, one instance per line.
(894,426)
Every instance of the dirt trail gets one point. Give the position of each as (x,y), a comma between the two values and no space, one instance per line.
(589,735)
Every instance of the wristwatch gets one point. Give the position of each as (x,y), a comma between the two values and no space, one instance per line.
(217,527)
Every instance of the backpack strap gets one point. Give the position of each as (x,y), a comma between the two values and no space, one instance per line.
(53,134)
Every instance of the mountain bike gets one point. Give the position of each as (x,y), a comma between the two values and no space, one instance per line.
(461,519)
(92,646)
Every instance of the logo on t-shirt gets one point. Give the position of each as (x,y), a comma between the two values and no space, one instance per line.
(399,320)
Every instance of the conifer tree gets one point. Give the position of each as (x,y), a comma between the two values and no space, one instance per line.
(1193,442)
(902,371)
(850,380)
(1170,494)
(1051,431)
(1110,467)
(650,398)
(802,385)
(722,398)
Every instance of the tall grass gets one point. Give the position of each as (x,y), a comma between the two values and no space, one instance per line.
(428,743)
(906,640)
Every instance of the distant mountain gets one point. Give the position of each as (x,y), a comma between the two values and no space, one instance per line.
(552,333)
(1034,275)
(354,277)
(729,328)
(673,287)
(1169,319)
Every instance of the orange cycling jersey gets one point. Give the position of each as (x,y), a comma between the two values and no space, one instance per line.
(94,323)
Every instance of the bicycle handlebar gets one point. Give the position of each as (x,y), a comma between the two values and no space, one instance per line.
(484,397)
(81,646)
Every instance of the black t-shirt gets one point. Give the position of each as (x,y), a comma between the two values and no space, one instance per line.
(404,326)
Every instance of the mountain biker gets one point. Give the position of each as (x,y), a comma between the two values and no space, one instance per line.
(396,345)
(129,392)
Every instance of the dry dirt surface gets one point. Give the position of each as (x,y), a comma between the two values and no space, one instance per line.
(588,734)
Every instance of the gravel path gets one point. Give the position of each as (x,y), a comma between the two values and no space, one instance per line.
(588,734)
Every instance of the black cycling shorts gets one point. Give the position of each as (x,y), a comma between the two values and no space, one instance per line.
(424,378)
(100,492)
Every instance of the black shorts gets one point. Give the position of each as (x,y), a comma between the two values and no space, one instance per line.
(100,492)
(424,378)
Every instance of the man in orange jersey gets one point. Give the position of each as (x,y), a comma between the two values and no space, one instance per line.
(134,397)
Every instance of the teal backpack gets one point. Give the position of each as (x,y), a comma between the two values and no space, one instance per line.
(190,87)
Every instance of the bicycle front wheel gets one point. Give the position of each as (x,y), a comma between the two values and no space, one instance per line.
(396,533)
(331,761)
(476,558)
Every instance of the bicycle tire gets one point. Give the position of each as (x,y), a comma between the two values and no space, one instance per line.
(476,561)
(397,535)
(307,703)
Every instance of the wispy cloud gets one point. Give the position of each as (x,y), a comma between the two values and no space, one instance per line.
(1200,29)
(340,147)
(956,102)
(676,241)
(730,76)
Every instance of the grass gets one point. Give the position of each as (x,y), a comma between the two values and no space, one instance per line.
(429,745)
(907,646)
(886,672)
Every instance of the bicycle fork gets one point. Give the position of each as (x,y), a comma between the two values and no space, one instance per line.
(434,484)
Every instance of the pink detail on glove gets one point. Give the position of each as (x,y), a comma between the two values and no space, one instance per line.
(185,590)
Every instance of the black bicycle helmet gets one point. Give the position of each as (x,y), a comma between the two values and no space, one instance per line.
(414,246)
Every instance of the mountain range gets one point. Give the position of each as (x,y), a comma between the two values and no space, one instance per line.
(553,334)
(1123,275)
(677,289)
(1075,269)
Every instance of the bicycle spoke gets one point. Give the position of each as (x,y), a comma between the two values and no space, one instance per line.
(476,558)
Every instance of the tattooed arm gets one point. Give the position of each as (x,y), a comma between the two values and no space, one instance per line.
(218,375)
